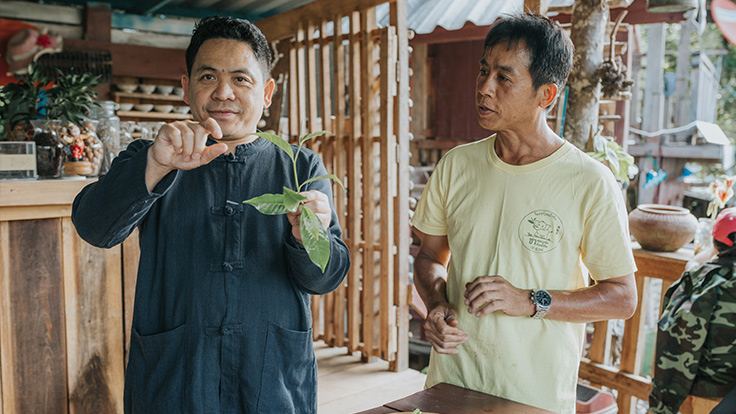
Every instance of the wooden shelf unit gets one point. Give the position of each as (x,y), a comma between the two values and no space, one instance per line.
(164,116)
(148,98)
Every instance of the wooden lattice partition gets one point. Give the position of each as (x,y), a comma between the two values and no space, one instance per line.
(340,72)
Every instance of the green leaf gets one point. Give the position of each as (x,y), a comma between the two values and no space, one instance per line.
(612,159)
(278,141)
(292,199)
(312,135)
(314,238)
(330,176)
(270,204)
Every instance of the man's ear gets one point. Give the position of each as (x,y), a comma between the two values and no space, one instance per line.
(549,93)
(185,86)
(268,92)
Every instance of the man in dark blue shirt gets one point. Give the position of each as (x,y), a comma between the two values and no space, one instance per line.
(222,318)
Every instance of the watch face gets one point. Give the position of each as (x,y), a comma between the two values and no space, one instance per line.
(543,298)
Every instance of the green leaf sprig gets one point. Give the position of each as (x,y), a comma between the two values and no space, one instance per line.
(314,235)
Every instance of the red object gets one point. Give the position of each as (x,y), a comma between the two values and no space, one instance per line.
(44,41)
(77,149)
(725,224)
(594,401)
(724,14)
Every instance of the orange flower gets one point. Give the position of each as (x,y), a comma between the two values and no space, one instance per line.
(720,192)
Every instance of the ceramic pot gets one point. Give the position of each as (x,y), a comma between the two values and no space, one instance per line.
(662,228)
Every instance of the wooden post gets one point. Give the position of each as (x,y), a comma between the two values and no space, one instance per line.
(340,164)
(653,108)
(328,155)
(301,79)
(388,189)
(354,187)
(293,92)
(680,97)
(312,92)
(367,24)
(97,22)
(631,354)
(536,6)
(420,97)
(402,228)
(589,20)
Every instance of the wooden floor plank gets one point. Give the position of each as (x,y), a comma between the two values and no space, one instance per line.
(347,385)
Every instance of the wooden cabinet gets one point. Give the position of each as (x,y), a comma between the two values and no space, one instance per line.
(64,313)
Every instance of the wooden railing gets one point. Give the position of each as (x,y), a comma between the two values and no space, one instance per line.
(340,72)
(626,375)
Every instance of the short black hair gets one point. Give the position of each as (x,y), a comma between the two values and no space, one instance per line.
(217,27)
(550,48)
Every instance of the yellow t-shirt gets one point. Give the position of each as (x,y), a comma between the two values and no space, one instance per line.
(539,226)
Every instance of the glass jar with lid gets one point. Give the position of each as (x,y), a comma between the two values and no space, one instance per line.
(108,131)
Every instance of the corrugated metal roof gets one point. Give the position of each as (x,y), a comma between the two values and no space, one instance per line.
(424,16)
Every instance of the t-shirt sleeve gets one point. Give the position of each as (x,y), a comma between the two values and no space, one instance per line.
(606,244)
(430,216)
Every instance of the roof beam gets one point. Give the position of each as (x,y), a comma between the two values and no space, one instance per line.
(150,10)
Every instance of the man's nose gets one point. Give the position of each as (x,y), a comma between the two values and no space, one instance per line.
(223,92)
(486,86)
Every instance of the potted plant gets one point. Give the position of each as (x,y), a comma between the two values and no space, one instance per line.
(56,104)
(20,103)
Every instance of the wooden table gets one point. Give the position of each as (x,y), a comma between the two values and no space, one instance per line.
(450,399)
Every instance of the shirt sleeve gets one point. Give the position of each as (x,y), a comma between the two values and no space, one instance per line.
(108,210)
(606,244)
(430,215)
(306,274)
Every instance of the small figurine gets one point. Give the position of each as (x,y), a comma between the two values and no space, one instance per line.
(75,138)
(77,149)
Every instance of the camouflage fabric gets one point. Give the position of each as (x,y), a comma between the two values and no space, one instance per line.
(696,341)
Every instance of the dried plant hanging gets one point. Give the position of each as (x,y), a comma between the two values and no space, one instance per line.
(612,72)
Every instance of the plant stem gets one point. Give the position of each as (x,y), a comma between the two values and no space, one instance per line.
(296,177)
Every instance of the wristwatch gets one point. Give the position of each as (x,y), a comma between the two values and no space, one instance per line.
(542,301)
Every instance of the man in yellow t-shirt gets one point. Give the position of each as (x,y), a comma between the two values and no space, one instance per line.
(511,225)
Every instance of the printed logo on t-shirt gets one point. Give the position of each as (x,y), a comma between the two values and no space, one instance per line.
(541,231)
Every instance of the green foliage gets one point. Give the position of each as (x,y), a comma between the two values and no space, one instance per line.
(72,97)
(314,235)
(606,150)
(314,238)
(47,93)
(23,100)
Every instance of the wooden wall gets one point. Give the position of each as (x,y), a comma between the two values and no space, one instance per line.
(343,74)
(61,312)
(456,67)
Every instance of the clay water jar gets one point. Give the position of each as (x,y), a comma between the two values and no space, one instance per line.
(662,228)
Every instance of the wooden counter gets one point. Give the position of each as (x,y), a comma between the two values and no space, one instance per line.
(62,313)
